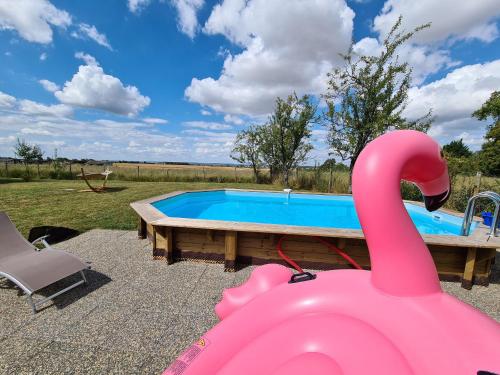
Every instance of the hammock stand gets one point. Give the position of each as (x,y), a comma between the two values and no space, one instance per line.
(95,176)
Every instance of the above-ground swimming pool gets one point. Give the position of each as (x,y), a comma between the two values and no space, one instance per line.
(312,210)
(237,227)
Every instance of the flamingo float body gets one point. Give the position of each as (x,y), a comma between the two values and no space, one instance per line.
(394,319)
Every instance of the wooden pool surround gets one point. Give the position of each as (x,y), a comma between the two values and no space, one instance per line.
(458,258)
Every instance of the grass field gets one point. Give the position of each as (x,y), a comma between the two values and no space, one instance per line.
(60,203)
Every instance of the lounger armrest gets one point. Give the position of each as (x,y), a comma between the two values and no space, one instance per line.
(41,240)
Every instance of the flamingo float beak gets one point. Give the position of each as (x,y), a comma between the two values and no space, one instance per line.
(434,202)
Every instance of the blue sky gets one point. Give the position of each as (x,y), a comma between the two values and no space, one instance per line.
(175,80)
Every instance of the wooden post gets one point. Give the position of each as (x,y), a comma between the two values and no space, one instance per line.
(330,180)
(210,235)
(204,178)
(230,251)
(6,169)
(163,244)
(478,182)
(142,229)
(138,172)
(235,175)
(470,262)
(38,168)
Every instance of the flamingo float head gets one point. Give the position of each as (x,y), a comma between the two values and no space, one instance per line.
(392,320)
(400,261)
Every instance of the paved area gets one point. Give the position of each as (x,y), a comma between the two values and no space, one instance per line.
(135,316)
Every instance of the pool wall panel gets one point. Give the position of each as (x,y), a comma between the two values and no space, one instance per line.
(260,248)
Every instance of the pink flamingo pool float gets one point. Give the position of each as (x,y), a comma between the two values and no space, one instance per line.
(394,319)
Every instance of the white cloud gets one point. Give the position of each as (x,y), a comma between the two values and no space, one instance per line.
(450,19)
(152,120)
(428,51)
(88,59)
(204,112)
(33,108)
(6,101)
(187,19)
(135,6)
(43,56)
(454,98)
(32,19)
(36,131)
(233,119)
(207,125)
(292,51)
(424,60)
(49,85)
(90,87)
(86,31)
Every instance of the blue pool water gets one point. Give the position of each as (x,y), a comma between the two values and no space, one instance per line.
(300,209)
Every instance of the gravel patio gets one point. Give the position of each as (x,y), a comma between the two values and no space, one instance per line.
(136,315)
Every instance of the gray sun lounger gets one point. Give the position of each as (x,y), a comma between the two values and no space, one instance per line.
(32,269)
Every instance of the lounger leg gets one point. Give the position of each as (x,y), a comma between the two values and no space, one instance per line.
(32,304)
(84,278)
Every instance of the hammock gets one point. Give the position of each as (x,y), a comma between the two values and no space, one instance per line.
(95,176)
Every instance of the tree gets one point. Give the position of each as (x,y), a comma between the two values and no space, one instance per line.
(247,150)
(27,153)
(367,97)
(269,149)
(285,138)
(457,149)
(490,150)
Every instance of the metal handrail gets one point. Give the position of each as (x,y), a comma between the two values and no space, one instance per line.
(469,212)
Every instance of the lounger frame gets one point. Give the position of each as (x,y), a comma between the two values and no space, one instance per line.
(29,293)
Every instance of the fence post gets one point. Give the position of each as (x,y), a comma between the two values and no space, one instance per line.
(138,172)
(204,177)
(330,180)
(6,169)
(70,171)
(235,175)
(478,182)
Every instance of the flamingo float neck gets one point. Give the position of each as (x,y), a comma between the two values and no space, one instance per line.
(400,261)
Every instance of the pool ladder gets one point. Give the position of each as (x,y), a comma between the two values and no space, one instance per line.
(469,212)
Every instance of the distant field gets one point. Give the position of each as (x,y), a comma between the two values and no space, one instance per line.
(181,166)
(179,171)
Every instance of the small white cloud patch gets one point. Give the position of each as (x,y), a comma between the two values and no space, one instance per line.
(6,101)
(156,121)
(86,31)
(49,85)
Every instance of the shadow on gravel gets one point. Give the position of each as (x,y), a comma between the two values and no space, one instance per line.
(56,234)
(95,280)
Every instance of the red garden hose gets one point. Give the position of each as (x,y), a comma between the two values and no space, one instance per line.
(326,243)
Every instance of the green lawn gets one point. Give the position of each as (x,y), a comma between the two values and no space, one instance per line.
(50,202)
